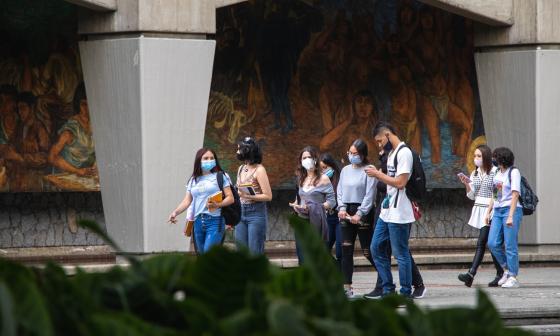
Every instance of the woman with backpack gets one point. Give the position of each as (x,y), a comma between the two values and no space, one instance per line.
(479,189)
(203,192)
(254,191)
(506,216)
(355,197)
(315,194)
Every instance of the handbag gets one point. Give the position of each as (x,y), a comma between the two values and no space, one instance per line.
(189,228)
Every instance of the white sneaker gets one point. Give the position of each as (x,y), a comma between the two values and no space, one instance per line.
(504,278)
(511,283)
(349,292)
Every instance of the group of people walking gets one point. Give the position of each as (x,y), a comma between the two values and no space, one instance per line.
(359,201)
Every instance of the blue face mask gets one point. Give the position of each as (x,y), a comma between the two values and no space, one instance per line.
(354,159)
(329,172)
(208,165)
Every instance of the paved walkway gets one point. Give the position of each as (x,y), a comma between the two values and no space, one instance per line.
(540,289)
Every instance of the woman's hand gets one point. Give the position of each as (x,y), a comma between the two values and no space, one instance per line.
(509,221)
(355,219)
(213,206)
(487,219)
(172,217)
(342,214)
(464,179)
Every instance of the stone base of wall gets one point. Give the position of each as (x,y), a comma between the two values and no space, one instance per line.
(49,219)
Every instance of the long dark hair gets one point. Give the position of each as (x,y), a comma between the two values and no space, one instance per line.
(362,149)
(486,158)
(197,169)
(504,156)
(301,172)
(329,160)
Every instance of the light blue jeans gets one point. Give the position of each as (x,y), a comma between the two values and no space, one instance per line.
(397,235)
(208,231)
(251,230)
(501,234)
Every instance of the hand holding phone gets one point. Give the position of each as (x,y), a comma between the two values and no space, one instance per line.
(464,178)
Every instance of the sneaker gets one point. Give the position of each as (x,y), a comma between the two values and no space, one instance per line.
(504,278)
(511,283)
(419,292)
(494,283)
(377,293)
(349,292)
(466,278)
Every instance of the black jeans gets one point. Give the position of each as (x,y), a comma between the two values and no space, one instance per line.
(349,231)
(416,276)
(480,250)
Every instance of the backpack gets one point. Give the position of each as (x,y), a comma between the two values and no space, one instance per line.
(232,212)
(416,185)
(527,198)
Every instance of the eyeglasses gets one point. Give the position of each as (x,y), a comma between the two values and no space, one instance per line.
(350,153)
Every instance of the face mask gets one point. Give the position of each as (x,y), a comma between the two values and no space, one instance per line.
(388,146)
(308,163)
(494,162)
(354,159)
(478,162)
(329,172)
(208,165)
(240,157)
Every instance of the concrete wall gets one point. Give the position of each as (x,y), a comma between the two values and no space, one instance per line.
(519,97)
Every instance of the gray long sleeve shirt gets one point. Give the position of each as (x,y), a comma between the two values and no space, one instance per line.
(319,194)
(354,186)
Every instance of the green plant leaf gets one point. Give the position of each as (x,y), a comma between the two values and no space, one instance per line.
(7,322)
(285,318)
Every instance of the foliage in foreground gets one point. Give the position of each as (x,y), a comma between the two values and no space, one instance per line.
(219,293)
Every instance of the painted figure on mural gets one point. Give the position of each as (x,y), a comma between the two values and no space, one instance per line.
(74,152)
(9,120)
(433,99)
(32,142)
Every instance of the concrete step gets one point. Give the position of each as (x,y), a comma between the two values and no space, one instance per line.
(543,330)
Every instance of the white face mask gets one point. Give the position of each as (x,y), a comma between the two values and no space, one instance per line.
(308,163)
(478,162)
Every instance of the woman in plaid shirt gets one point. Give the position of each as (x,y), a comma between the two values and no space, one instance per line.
(479,188)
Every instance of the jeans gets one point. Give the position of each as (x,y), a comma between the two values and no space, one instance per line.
(349,232)
(334,235)
(251,230)
(397,235)
(208,231)
(501,234)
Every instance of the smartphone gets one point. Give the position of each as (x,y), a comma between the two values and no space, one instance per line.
(369,166)
(461,175)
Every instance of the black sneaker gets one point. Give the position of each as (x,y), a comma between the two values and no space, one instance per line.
(466,278)
(377,293)
(494,283)
(419,292)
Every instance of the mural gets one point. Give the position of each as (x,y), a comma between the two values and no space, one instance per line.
(291,73)
(45,135)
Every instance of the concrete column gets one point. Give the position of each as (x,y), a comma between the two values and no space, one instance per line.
(519,98)
(148,97)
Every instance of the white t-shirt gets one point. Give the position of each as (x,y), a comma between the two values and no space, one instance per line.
(502,196)
(402,213)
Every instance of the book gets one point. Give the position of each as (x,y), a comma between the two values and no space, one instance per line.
(216,197)
(247,189)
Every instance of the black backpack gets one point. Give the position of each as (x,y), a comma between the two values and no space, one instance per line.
(416,185)
(527,198)
(232,212)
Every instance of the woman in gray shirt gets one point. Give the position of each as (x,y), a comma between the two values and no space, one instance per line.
(355,197)
(315,193)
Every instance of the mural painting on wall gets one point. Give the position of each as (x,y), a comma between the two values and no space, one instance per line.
(295,72)
(45,135)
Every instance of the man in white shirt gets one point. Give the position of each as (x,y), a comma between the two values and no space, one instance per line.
(396,214)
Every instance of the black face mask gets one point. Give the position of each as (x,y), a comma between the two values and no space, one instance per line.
(388,146)
(494,162)
(240,157)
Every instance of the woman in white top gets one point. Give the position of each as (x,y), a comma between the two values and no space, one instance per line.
(506,216)
(208,222)
(479,189)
